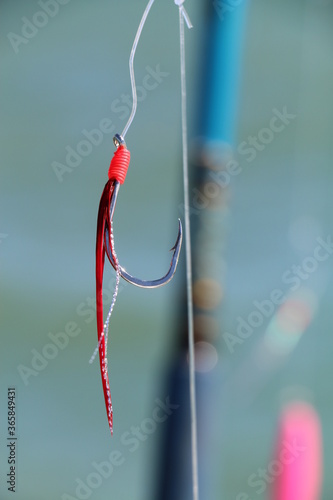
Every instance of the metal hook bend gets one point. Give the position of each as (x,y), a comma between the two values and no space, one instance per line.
(124,274)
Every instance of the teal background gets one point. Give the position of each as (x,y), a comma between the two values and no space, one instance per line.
(64,80)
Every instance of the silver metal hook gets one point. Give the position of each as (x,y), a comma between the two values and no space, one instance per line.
(123,273)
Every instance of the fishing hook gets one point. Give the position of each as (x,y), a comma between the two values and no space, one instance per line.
(109,197)
(105,245)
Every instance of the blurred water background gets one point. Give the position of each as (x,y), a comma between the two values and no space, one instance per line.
(59,84)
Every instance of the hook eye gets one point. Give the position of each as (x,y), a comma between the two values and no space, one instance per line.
(118,140)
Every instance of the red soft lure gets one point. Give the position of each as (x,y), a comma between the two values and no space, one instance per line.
(117,173)
(104,245)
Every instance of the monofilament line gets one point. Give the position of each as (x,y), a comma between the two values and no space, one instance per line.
(195,480)
(131,67)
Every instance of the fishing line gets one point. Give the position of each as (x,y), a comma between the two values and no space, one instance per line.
(131,67)
(183,16)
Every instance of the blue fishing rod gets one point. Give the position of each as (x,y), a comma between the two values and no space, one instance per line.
(212,142)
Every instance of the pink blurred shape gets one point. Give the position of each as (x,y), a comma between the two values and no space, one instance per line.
(299,454)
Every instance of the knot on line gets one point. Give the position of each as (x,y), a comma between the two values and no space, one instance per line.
(185,15)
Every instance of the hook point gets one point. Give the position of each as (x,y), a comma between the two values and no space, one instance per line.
(179,237)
